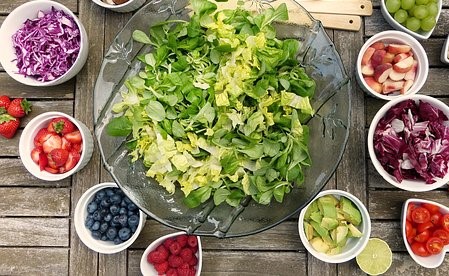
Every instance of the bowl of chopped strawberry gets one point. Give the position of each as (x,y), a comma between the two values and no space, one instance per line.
(173,254)
(55,145)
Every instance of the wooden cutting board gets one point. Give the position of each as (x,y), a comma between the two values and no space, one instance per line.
(353,7)
(339,21)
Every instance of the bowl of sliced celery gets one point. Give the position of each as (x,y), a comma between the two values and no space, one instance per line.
(213,116)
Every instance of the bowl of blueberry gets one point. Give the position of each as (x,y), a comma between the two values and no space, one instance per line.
(106,220)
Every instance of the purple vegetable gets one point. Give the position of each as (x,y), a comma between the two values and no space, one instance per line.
(412,141)
(47,46)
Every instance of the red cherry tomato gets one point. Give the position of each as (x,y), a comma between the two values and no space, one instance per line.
(410,232)
(420,249)
(432,208)
(423,236)
(421,215)
(410,208)
(442,235)
(444,222)
(424,226)
(435,218)
(434,245)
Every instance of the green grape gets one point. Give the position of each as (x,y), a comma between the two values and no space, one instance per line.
(401,15)
(413,24)
(432,8)
(407,4)
(428,23)
(421,2)
(393,5)
(411,11)
(420,12)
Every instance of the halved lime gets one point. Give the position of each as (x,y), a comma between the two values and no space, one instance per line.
(376,258)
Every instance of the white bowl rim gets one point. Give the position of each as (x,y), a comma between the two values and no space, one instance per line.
(417,49)
(106,5)
(84,233)
(83,42)
(445,51)
(158,241)
(435,260)
(360,244)
(421,187)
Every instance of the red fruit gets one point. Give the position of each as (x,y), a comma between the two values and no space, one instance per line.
(193,261)
(168,242)
(61,125)
(66,144)
(171,272)
(43,161)
(51,170)
(74,137)
(192,241)
(175,248)
(8,125)
(164,251)
(182,240)
(35,154)
(4,103)
(53,142)
(175,261)
(183,270)
(192,271)
(76,147)
(41,136)
(19,107)
(58,156)
(72,160)
(186,254)
(161,268)
(155,257)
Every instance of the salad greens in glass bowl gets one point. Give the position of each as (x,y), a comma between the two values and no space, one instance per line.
(222,118)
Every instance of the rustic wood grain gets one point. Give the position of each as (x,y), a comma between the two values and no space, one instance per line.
(33,261)
(34,232)
(403,264)
(34,202)
(9,6)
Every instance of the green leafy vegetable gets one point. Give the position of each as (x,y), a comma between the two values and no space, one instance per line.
(218,107)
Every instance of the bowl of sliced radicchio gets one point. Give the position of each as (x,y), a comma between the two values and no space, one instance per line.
(408,143)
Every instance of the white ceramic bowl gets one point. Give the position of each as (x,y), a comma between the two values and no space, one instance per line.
(432,261)
(354,245)
(128,6)
(445,51)
(147,269)
(15,21)
(393,23)
(419,55)
(104,247)
(26,145)
(408,185)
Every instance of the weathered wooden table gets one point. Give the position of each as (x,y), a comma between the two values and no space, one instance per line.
(37,236)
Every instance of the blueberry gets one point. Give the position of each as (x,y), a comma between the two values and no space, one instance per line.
(109,191)
(133,220)
(95,226)
(114,209)
(115,221)
(92,207)
(116,199)
(100,195)
(123,203)
(133,228)
(127,200)
(124,233)
(117,240)
(104,212)
(132,206)
(104,238)
(106,202)
(111,233)
(96,235)
(89,216)
(103,227)
(131,213)
(123,220)
(108,217)
(97,216)
(89,222)
(123,211)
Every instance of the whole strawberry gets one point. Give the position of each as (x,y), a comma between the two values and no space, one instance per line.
(61,125)
(19,107)
(4,103)
(8,125)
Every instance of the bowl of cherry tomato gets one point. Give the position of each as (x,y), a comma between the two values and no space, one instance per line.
(425,229)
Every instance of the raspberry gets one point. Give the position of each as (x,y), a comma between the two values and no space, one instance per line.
(161,268)
(192,271)
(183,270)
(168,242)
(192,241)
(186,254)
(175,248)
(164,251)
(174,261)
(193,261)
(182,240)
(171,272)
(155,257)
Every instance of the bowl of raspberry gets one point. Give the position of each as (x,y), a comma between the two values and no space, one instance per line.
(173,254)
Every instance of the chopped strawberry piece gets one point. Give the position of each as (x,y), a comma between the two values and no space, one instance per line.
(72,160)
(51,170)
(43,161)
(53,142)
(77,147)
(35,154)
(74,137)
(41,136)
(59,156)
(66,144)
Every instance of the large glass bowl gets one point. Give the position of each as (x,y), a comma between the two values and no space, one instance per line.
(329,128)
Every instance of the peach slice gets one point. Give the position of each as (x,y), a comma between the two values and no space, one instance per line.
(382,72)
(390,86)
(396,76)
(367,70)
(411,74)
(367,55)
(378,57)
(388,58)
(398,48)
(404,65)
(373,84)
(406,87)
(379,45)
(400,57)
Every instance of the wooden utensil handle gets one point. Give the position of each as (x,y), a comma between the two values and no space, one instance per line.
(339,21)
(360,7)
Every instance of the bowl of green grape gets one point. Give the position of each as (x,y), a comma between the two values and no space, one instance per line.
(415,17)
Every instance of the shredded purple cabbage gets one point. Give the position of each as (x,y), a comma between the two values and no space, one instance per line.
(412,141)
(47,46)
